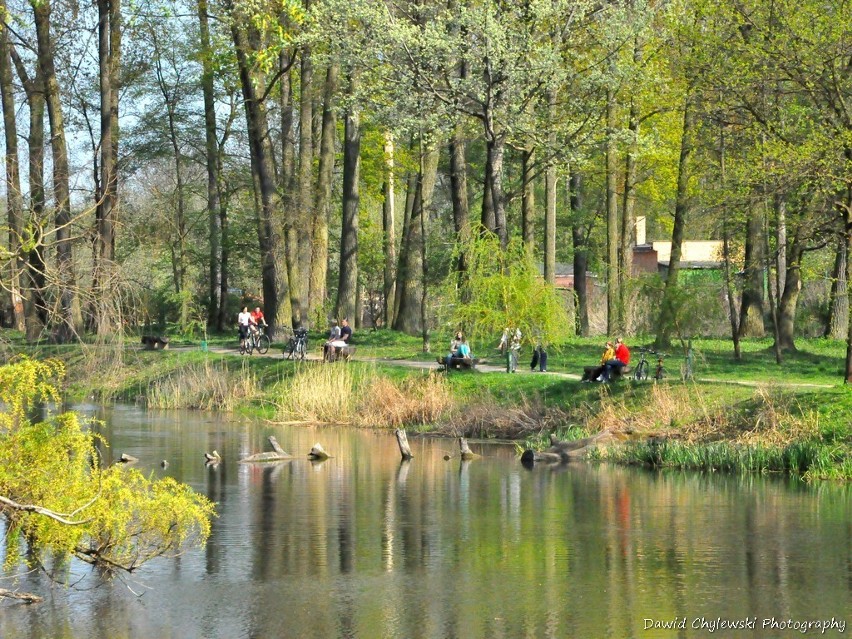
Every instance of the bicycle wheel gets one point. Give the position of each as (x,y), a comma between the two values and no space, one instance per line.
(262,344)
(303,349)
(249,345)
(288,350)
(242,348)
(641,372)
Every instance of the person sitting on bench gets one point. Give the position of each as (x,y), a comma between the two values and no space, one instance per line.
(621,359)
(454,347)
(335,346)
(593,373)
(462,358)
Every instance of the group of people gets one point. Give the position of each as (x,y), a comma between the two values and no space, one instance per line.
(248,322)
(615,357)
(338,337)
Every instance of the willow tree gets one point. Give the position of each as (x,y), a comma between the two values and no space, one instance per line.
(58,506)
(503,288)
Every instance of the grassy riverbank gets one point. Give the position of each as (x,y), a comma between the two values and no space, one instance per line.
(752,415)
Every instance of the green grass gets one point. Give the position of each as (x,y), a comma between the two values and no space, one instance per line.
(803,399)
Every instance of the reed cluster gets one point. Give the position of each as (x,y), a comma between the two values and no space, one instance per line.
(415,401)
(319,393)
(205,386)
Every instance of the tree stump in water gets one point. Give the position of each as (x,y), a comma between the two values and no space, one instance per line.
(402,441)
(277,454)
(317,453)
(464,449)
(560,452)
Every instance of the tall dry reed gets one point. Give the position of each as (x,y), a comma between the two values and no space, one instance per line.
(205,386)
(412,402)
(323,393)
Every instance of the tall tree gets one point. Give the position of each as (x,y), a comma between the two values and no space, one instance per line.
(215,211)
(14,198)
(322,208)
(254,84)
(347,289)
(106,208)
(69,311)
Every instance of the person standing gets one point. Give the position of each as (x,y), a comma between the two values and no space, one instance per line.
(510,346)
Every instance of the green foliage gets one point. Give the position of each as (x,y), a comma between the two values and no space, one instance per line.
(504,289)
(112,517)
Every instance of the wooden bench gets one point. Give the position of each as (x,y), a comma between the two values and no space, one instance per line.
(342,353)
(155,342)
(458,363)
(617,373)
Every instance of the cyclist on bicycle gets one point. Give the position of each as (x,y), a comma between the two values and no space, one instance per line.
(244,322)
(257,318)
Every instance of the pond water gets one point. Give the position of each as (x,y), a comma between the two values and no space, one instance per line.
(365,546)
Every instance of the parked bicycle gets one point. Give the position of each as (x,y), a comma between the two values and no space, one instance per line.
(297,346)
(257,340)
(640,374)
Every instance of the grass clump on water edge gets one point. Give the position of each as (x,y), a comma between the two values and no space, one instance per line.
(205,385)
(361,396)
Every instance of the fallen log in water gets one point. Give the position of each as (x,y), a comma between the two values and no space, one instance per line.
(127,459)
(564,451)
(277,454)
(28,597)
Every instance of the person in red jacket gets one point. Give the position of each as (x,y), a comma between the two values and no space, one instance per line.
(621,359)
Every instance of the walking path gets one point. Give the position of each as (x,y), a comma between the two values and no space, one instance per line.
(490,368)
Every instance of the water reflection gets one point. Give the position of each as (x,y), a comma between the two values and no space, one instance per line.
(363,545)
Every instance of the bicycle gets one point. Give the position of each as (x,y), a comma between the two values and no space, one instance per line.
(297,346)
(642,367)
(257,340)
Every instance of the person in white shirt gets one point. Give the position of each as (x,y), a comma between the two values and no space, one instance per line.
(244,322)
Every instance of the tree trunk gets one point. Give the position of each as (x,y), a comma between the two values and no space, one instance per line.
(458,193)
(389,231)
(668,311)
(528,199)
(322,210)
(69,319)
(214,213)
(751,307)
(410,275)
(790,297)
(613,297)
(838,301)
(726,253)
(287,185)
(550,197)
(347,289)
(406,244)
(109,64)
(304,215)
(34,303)
(14,198)
(581,255)
(486,219)
(628,219)
(496,150)
(846,212)
(260,148)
